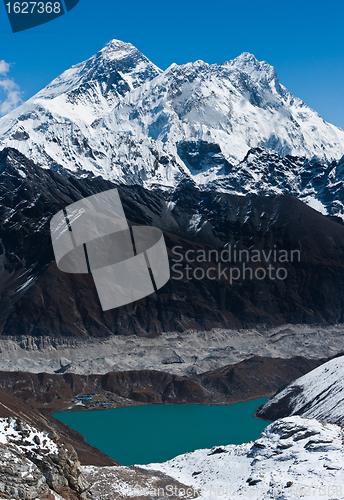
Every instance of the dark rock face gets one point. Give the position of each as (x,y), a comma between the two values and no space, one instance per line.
(14,468)
(256,375)
(265,173)
(283,409)
(37,299)
(107,72)
(253,378)
(201,156)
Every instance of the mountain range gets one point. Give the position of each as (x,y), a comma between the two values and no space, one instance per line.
(214,155)
(37,299)
(230,127)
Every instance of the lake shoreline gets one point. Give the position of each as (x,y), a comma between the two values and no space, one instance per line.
(156,433)
(136,403)
(248,380)
(253,378)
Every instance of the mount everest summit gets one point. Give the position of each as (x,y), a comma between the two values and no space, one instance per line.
(230,127)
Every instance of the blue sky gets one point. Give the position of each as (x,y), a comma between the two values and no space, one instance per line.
(303,39)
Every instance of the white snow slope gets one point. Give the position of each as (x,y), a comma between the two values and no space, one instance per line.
(318,394)
(119,116)
(293,458)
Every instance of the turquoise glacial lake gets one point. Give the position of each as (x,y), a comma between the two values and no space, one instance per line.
(155,433)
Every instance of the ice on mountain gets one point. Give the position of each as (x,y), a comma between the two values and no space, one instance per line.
(119,116)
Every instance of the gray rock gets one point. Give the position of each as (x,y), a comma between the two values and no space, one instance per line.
(170,357)
(31,467)
(19,477)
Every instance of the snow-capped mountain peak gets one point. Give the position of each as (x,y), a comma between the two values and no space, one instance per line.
(116,49)
(119,116)
(259,73)
(119,66)
(248,63)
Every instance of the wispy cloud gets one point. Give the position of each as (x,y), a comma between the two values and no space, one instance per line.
(4,67)
(9,89)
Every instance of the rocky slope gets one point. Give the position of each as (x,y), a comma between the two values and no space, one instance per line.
(294,457)
(37,299)
(250,379)
(264,172)
(33,466)
(318,394)
(15,408)
(133,483)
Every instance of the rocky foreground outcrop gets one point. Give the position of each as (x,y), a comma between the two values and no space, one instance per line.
(34,466)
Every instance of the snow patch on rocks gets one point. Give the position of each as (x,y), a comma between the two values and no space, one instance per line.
(34,466)
(293,457)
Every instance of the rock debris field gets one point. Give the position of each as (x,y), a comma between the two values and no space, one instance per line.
(189,353)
